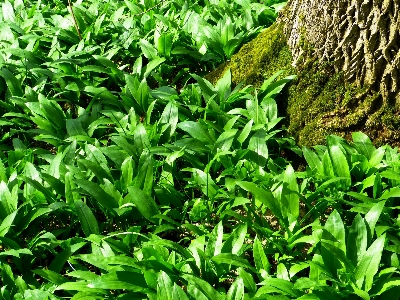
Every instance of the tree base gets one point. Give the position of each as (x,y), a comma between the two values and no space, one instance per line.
(320,101)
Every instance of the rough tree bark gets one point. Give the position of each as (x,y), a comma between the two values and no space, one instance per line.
(346,54)
(361,37)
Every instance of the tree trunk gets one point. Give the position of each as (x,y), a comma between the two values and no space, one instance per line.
(361,37)
(347,58)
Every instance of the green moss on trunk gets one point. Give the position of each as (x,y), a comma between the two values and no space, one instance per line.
(319,102)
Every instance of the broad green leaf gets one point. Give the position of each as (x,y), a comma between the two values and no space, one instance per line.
(334,231)
(144,178)
(74,128)
(51,276)
(97,169)
(127,169)
(8,203)
(369,264)
(260,259)
(148,50)
(231,259)
(121,280)
(178,293)
(152,65)
(164,286)
(258,145)
(282,272)
(214,244)
(276,285)
(339,163)
(245,132)
(106,200)
(86,218)
(13,84)
(204,287)
(391,193)
(141,139)
(206,87)
(235,240)
(7,223)
(8,11)
(196,130)
(377,156)
(80,286)
(357,240)
(248,280)
(372,217)
(165,44)
(293,197)
(143,202)
(263,195)
(334,252)
(236,291)
(225,140)
(363,144)
(313,161)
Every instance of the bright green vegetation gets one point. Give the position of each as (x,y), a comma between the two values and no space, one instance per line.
(124,174)
(319,101)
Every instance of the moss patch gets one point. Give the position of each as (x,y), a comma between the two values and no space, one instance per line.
(258,59)
(320,101)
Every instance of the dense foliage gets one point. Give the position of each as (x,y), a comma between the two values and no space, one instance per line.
(124,174)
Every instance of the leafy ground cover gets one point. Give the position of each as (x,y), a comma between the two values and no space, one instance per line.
(124,174)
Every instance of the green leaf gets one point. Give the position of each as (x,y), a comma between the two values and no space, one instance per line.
(164,286)
(86,218)
(225,140)
(236,291)
(369,264)
(245,132)
(248,280)
(372,217)
(141,140)
(8,11)
(363,144)
(178,293)
(231,259)
(8,202)
(276,285)
(144,178)
(214,244)
(7,223)
(196,130)
(143,202)
(235,240)
(148,50)
(13,84)
(165,44)
(74,128)
(334,231)
(313,161)
(51,276)
(106,200)
(263,195)
(152,65)
(377,156)
(260,259)
(357,240)
(258,145)
(121,280)
(204,287)
(339,163)
(59,261)
(97,169)
(292,197)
